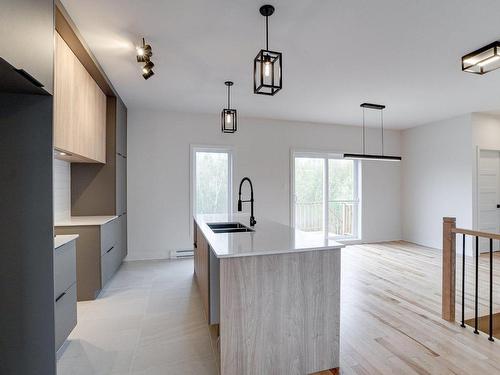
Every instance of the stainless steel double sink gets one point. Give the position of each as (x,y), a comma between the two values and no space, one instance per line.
(230,227)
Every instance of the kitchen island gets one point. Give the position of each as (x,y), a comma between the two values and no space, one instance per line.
(272,294)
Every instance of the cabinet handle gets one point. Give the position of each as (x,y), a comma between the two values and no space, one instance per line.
(195,245)
(61,296)
(29,77)
(110,249)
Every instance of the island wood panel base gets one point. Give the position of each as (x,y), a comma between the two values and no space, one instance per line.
(201,268)
(280,314)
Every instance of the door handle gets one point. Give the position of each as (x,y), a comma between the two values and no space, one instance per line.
(61,296)
(498,205)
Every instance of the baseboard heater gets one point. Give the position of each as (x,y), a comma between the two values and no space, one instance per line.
(179,254)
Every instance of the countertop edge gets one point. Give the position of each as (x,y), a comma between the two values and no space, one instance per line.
(98,221)
(204,229)
(63,239)
(278,252)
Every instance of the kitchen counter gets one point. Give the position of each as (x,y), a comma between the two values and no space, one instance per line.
(268,238)
(77,221)
(272,295)
(63,239)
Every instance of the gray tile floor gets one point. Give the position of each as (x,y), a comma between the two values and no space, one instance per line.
(148,320)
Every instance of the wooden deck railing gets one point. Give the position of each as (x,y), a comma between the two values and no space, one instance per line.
(449,270)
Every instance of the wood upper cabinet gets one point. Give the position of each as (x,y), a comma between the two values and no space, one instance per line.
(79,109)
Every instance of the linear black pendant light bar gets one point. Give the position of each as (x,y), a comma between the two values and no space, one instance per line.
(267,78)
(229,117)
(364,155)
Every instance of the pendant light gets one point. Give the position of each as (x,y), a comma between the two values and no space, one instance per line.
(364,155)
(267,79)
(483,60)
(229,117)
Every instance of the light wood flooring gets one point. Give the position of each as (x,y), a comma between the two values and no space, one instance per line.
(149,320)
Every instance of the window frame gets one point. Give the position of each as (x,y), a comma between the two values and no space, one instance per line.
(192,186)
(326,156)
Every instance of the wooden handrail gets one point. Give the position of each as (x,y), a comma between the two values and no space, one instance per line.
(495,236)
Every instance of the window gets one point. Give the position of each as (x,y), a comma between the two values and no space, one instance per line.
(211,180)
(325,195)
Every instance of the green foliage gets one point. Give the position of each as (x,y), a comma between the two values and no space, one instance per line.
(211,183)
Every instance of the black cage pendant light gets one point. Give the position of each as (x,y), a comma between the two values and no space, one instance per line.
(364,155)
(267,79)
(229,117)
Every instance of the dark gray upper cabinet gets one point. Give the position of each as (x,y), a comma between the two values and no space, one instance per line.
(27,46)
(121,128)
(121,185)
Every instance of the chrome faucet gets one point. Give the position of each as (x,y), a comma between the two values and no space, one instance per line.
(252,218)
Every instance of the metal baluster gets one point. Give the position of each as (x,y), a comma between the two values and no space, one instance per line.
(491,290)
(463,281)
(477,288)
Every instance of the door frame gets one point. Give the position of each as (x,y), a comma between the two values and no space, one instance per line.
(476,208)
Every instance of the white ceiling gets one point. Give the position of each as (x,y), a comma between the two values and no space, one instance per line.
(336,54)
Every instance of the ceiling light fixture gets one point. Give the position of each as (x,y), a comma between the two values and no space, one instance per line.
(147,70)
(144,54)
(229,117)
(267,78)
(364,155)
(483,60)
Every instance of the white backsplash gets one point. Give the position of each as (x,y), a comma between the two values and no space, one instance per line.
(62,190)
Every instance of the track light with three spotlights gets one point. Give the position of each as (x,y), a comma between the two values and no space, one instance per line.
(144,54)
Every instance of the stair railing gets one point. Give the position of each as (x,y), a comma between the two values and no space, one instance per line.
(450,232)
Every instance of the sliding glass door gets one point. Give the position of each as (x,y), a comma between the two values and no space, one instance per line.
(326,195)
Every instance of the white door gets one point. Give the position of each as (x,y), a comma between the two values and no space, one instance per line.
(489,196)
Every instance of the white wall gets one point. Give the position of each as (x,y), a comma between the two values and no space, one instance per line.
(485,136)
(62,190)
(437,178)
(159,173)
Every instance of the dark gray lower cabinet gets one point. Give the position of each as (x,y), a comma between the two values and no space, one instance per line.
(123,235)
(99,254)
(65,315)
(64,291)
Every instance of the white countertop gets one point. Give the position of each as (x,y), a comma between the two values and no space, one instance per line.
(78,221)
(63,239)
(269,238)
